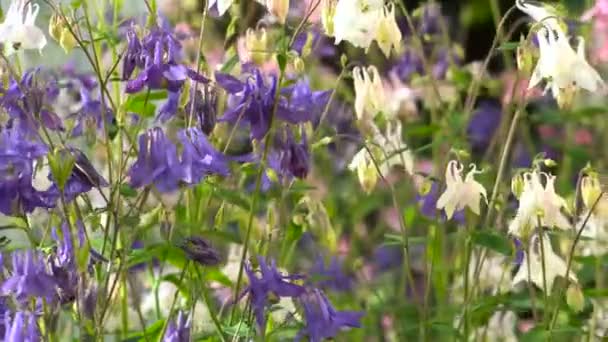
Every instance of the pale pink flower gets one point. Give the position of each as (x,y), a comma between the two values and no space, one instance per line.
(599,14)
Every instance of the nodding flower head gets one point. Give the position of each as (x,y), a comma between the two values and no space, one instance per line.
(29,278)
(322,320)
(19,30)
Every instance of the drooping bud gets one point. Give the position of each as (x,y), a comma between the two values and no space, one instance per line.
(525,56)
(55,27)
(575,298)
(517,185)
(67,41)
(256,43)
(201,251)
(366,171)
(591,190)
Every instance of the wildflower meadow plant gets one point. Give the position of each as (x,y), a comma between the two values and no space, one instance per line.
(275,170)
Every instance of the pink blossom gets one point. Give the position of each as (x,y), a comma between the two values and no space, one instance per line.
(599,14)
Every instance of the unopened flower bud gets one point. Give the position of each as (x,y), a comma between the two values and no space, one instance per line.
(298,65)
(55,27)
(575,298)
(426,187)
(549,162)
(256,43)
(517,185)
(67,40)
(525,56)
(201,251)
(591,190)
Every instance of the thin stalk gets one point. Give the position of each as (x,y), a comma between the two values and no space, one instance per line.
(172,307)
(570,257)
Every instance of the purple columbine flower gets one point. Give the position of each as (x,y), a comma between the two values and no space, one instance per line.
(303,102)
(294,158)
(483,124)
(445,57)
(178,330)
(430,19)
(253,102)
(63,262)
(157,163)
(158,57)
(91,114)
(17,155)
(30,277)
(27,102)
(205,108)
(332,275)
(408,65)
(271,282)
(22,328)
(322,320)
(199,157)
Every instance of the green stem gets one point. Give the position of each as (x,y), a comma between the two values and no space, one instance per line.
(257,192)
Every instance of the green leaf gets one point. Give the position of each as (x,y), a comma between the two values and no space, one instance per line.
(151,332)
(234,197)
(127,191)
(241,330)
(142,103)
(493,241)
(230,64)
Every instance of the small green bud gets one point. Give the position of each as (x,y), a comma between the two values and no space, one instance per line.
(298,65)
(517,185)
(590,189)
(575,298)
(549,162)
(525,56)
(61,164)
(55,27)
(67,40)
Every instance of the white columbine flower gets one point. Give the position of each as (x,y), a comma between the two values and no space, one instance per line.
(222,5)
(594,235)
(362,21)
(538,201)
(388,34)
(18,31)
(461,193)
(492,279)
(388,150)
(396,151)
(500,327)
(564,69)
(554,265)
(369,93)
(363,164)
